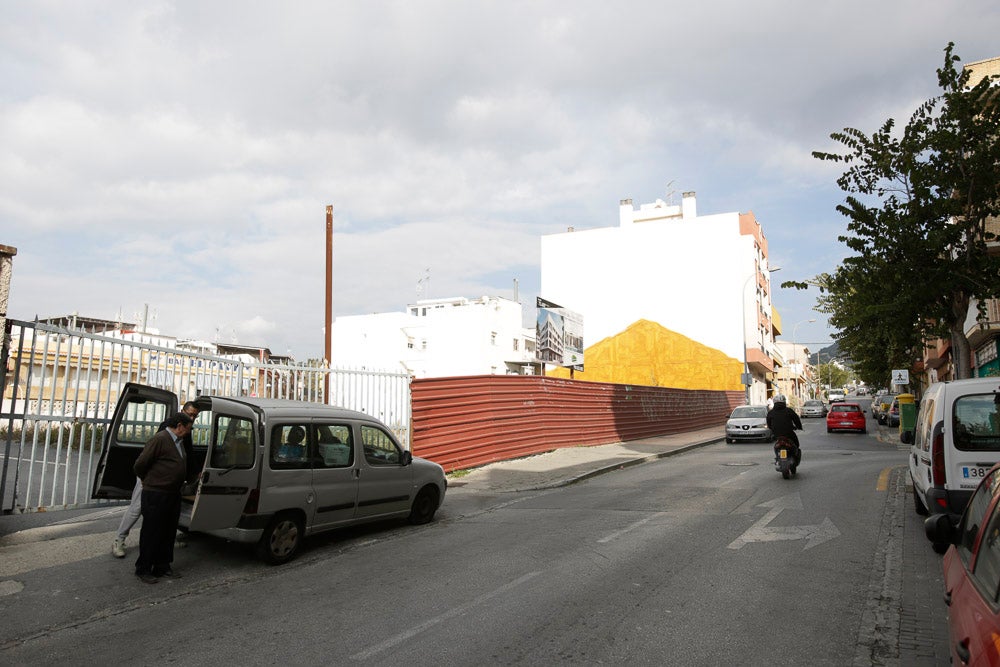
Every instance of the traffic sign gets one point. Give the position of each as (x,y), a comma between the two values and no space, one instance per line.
(901,377)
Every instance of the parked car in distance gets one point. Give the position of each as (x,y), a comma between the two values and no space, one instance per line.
(880,406)
(836,395)
(748,422)
(972,573)
(892,414)
(814,408)
(846,417)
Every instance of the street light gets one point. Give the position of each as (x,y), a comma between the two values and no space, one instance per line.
(747,379)
(795,354)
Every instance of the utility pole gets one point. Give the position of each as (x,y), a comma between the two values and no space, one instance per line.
(328,322)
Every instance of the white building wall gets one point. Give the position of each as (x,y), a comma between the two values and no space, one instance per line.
(436,338)
(688,275)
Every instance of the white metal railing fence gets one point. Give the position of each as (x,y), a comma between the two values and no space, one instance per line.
(59,390)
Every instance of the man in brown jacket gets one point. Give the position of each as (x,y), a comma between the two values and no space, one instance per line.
(163,469)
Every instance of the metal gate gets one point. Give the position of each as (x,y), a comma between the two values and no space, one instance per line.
(60,386)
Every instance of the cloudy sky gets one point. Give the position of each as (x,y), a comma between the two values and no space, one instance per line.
(182,154)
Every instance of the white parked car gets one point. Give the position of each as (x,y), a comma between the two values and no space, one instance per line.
(748,423)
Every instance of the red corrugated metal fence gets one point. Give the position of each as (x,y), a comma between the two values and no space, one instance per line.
(462,422)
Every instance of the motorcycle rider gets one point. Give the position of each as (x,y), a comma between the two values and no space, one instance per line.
(783,422)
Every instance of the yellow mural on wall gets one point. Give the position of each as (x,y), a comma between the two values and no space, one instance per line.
(646,353)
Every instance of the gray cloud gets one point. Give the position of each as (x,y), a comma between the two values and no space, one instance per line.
(181,153)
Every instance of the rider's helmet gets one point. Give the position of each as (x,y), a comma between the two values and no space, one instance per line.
(779,398)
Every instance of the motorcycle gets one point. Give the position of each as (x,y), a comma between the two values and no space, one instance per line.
(784,457)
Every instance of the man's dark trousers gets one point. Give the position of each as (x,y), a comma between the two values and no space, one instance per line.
(160,513)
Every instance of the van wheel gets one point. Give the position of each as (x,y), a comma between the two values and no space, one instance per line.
(424,505)
(917,505)
(281,539)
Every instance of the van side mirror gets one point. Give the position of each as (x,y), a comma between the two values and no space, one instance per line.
(939,529)
(906,437)
(407,458)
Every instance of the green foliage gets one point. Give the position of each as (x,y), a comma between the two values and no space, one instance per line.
(831,375)
(917,204)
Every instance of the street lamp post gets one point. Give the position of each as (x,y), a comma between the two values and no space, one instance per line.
(747,378)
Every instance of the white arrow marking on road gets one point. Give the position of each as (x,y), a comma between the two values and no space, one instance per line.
(761,532)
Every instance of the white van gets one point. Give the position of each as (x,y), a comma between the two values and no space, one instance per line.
(956,440)
(275,471)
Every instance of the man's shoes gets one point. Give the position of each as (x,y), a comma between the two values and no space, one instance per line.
(170,574)
(118,548)
(146,577)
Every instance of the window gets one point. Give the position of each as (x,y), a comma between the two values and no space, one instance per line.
(987,572)
(289,447)
(380,448)
(925,425)
(141,421)
(975,423)
(516,342)
(334,446)
(974,514)
(233,445)
(493,338)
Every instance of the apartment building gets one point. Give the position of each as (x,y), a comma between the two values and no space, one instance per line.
(669,297)
(438,338)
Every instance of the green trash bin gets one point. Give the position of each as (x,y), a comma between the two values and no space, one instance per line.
(907,413)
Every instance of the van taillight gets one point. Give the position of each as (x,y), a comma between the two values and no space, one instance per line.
(252,500)
(938,474)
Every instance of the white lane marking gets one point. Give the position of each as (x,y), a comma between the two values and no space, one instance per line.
(760,531)
(618,533)
(457,611)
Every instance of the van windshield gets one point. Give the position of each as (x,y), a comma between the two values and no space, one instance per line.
(976,423)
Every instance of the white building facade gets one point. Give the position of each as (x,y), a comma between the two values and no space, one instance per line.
(438,338)
(705,277)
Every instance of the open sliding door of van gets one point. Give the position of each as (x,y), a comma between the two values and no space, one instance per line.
(232,466)
(137,417)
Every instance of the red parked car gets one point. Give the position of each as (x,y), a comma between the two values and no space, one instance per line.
(972,574)
(845,417)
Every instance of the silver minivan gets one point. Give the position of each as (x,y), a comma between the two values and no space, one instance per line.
(274,471)
(955,442)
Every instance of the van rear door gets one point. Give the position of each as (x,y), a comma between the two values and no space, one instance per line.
(137,417)
(975,423)
(232,466)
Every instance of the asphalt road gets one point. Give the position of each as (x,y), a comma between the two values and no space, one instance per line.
(705,558)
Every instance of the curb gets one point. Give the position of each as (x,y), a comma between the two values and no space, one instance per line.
(627,464)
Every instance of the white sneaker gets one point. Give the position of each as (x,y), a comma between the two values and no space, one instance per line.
(118,548)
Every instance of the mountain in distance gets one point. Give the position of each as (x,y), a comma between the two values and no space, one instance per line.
(827,353)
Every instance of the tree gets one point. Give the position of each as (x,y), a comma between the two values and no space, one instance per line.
(917,205)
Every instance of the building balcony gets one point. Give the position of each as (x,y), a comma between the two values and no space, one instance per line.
(980,332)
(758,361)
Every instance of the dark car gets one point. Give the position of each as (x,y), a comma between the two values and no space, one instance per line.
(892,414)
(972,573)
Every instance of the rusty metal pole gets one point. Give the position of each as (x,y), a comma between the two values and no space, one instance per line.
(328,323)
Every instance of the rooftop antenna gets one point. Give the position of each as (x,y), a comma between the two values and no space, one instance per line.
(671,193)
(424,285)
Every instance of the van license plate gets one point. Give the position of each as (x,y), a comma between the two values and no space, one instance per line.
(974,472)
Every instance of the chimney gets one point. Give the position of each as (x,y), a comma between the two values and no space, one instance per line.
(688,208)
(625,211)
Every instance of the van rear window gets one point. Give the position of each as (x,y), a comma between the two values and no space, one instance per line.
(976,423)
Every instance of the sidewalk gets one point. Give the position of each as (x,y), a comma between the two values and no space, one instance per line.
(572,464)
